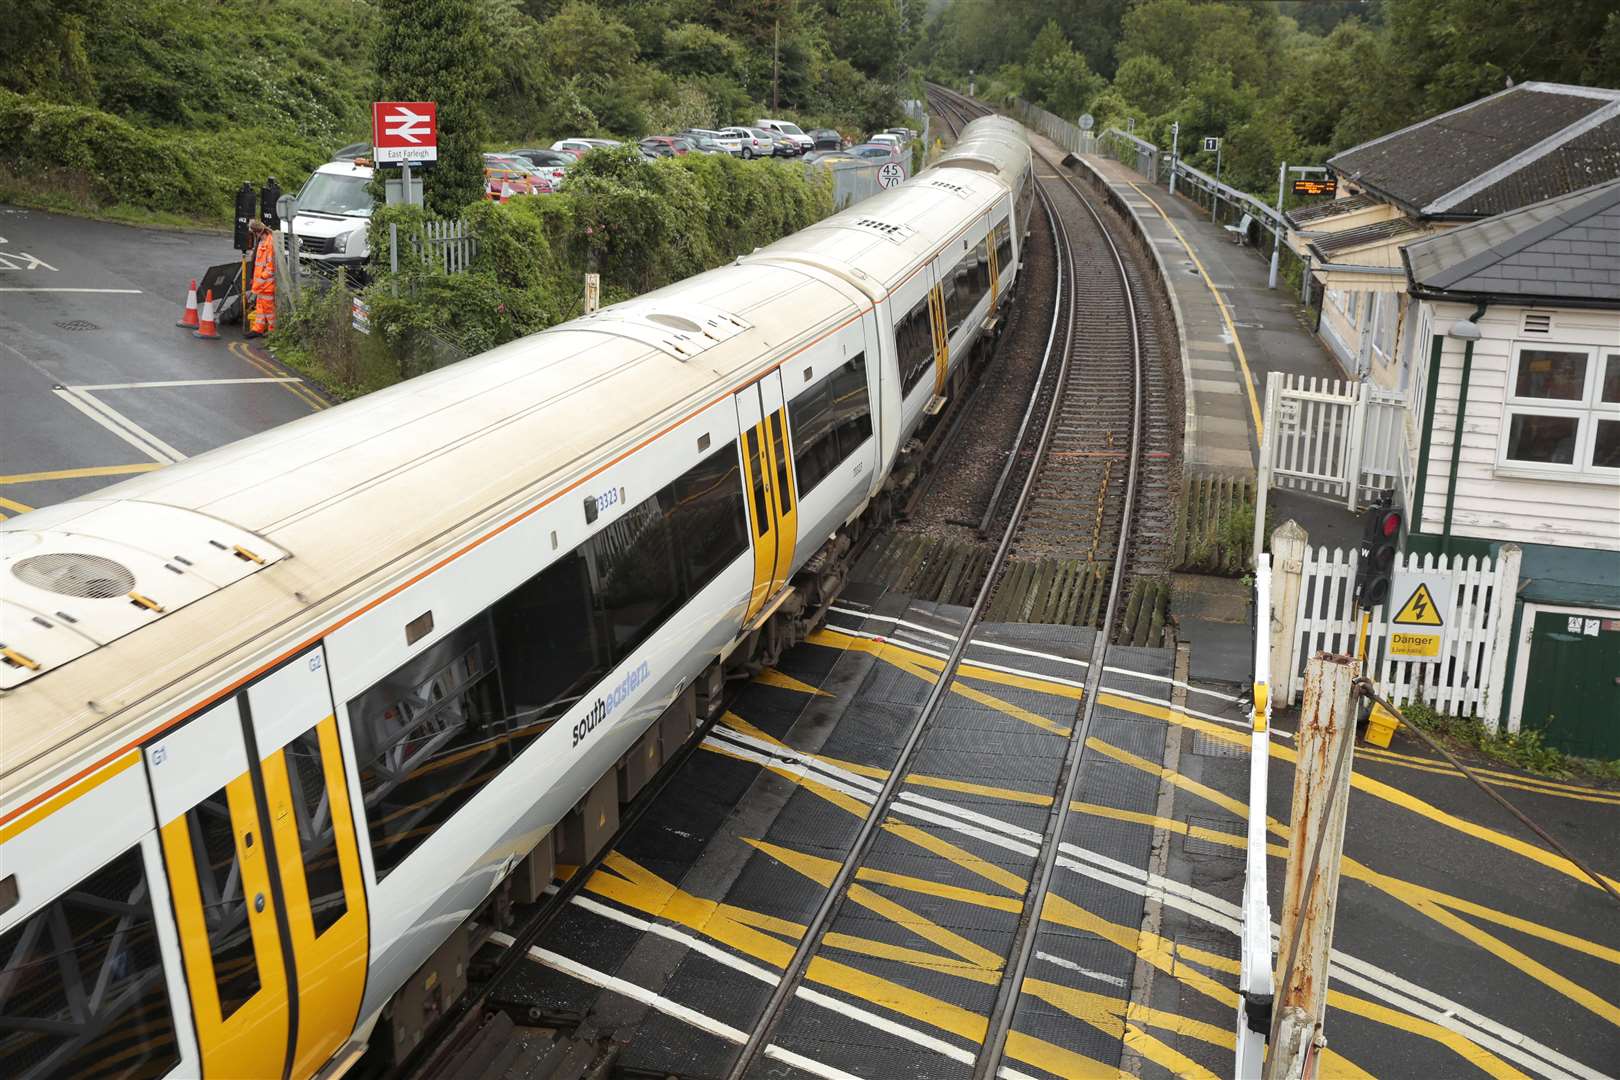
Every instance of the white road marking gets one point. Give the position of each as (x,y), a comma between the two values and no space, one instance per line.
(1111,980)
(674,1009)
(120,425)
(180,382)
(18,288)
(816,997)
(1359,974)
(34,262)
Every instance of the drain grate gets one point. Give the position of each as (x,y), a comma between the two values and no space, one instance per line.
(1209,746)
(1198,845)
(78,324)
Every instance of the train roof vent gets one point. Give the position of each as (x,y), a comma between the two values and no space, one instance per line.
(682,330)
(89,573)
(894,231)
(945,185)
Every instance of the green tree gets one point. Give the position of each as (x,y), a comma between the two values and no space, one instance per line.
(435,50)
(583,41)
(1147,83)
(1056,76)
(694,49)
(867,33)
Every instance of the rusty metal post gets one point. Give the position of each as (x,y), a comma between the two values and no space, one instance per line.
(1327,729)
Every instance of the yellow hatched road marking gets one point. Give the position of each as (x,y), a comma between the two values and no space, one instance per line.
(76,474)
(1496,776)
(10,504)
(772,677)
(242,350)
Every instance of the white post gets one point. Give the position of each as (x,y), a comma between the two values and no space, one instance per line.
(1289,543)
(1268,450)
(1327,732)
(593,292)
(1175,143)
(1255,980)
(1215,192)
(1504,595)
(1354,446)
(1276,233)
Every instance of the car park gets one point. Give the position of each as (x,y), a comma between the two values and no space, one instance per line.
(827,139)
(506,175)
(551,164)
(703,144)
(791,132)
(889,139)
(781,145)
(731,144)
(754,143)
(666,145)
(581,147)
(874,151)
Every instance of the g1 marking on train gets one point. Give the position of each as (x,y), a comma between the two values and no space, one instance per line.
(605,705)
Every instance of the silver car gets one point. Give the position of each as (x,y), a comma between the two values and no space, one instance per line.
(730,143)
(754,143)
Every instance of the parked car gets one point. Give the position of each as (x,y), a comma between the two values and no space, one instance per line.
(828,157)
(781,145)
(754,143)
(506,175)
(334,213)
(581,147)
(874,151)
(703,144)
(791,131)
(905,133)
(731,144)
(665,145)
(551,164)
(827,139)
(890,139)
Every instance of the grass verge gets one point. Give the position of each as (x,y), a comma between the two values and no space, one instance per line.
(1525,749)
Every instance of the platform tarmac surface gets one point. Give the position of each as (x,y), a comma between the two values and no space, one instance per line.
(96,382)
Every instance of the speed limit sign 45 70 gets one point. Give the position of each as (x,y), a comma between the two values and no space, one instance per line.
(890,174)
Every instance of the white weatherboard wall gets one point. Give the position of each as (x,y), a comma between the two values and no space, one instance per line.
(1495,502)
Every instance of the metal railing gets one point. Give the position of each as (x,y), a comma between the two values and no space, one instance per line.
(1255,963)
(1065,134)
(1263,215)
(1128,149)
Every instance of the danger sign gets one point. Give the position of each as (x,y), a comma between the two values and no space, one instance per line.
(1417,629)
(405,131)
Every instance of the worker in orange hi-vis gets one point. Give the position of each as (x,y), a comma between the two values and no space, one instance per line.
(262,297)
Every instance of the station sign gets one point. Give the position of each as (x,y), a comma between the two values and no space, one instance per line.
(1211,144)
(404,131)
(1324,185)
(1417,627)
(891,174)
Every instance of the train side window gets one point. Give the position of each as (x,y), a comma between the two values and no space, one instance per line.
(317,838)
(550,639)
(914,345)
(1003,246)
(851,406)
(756,466)
(710,519)
(815,446)
(638,583)
(82,991)
(430,735)
(219,876)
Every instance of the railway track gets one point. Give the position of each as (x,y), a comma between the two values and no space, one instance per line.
(1089,399)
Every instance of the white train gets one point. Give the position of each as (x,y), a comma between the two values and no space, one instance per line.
(277,721)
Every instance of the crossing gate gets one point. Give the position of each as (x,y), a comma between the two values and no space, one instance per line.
(1316,611)
(1330,438)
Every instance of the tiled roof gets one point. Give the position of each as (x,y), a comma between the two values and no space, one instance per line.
(1325,247)
(1520,145)
(1562,248)
(1307,215)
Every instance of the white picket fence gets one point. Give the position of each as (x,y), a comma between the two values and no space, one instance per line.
(1329,438)
(1317,612)
(450,243)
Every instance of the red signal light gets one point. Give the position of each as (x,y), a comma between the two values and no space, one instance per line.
(1391,523)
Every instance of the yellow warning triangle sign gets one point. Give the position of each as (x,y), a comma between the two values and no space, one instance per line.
(1419,609)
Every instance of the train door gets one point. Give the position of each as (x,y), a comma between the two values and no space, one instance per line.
(942,342)
(995,270)
(268,901)
(768,471)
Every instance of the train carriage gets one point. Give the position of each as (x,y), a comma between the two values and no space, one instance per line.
(278,720)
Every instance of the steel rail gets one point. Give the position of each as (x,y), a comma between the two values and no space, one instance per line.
(832,901)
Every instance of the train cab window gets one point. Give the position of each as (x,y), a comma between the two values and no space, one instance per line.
(914,345)
(82,991)
(219,876)
(429,736)
(317,838)
(637,578)
(710,517)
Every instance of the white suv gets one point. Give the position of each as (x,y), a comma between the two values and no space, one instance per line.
(790,131)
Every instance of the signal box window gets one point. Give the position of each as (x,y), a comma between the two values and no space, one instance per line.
(1563,411)
(82,991)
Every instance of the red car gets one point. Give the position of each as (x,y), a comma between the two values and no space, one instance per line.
(665,145)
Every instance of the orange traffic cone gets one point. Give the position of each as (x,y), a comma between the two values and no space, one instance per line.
(207,329)
(188,321)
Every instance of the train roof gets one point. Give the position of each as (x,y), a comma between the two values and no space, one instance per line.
(992,144)
(161,587)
